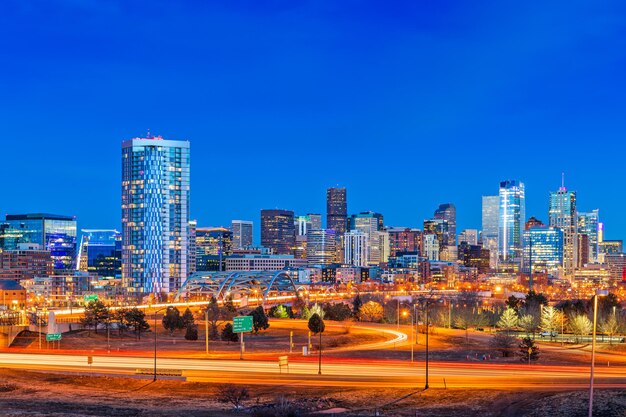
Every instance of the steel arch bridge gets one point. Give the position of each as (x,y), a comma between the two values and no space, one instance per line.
(223,284)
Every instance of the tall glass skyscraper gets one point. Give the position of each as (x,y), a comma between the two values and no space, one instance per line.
(101,253)
(278,231)
(511,218)
(242,234)
(155,215)
(588,224)
(447,212)
(545,245)
(336,210)
(489,236)
(213,245)
(51,232)
(563,215)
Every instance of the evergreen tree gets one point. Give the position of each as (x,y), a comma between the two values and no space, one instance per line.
(95,313)
(172,320)
(187,318)
(356,306)
(528,351)
(228,335)
(192,332)
(280,312)
(136,319)
(259,320)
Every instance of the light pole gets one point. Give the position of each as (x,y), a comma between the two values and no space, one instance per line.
(599,293)
(206,329)
(427,324)
(398,313)
(155,342)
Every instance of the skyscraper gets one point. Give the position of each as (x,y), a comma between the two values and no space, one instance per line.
(213,245)
(545,245)
(469,236)
(155,215)
(278,231)
(511,218)
(447,212)
(563,215)
(51,232)
(321,248)
(336,210)
(489,235)
(589,224)
(356,248)
(242,234)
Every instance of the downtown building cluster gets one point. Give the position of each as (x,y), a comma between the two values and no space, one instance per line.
(43,257)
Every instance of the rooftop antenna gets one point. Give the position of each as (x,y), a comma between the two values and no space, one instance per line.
(562,180)
(148,136)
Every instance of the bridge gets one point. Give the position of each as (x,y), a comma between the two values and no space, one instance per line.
(238,284)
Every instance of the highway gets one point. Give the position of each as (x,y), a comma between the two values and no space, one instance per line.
(335,373)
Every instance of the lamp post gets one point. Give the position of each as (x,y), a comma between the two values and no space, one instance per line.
(155,342)
(427,324)
(599,293)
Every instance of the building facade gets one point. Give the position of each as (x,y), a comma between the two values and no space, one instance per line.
(356,245)
(511,218)
(337,210)
(213,245)
(563,215)
(447,212)
(588,224)
(242,234)
(489,232)
(543,250)
(100,253)
(278,231)
(155,215)
(404,240)
(321,247)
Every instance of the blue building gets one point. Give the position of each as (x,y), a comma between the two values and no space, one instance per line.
(511,218)
(100,253)
(155,215)
(543,249)
(51,232)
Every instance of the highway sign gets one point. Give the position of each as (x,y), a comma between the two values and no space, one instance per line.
(90,297)
(242,324)
(53,337)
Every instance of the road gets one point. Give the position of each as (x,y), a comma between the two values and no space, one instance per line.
(335,372)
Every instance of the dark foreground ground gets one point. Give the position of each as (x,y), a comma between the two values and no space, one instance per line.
(36,394)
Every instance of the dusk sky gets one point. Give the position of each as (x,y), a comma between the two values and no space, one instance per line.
(407,106)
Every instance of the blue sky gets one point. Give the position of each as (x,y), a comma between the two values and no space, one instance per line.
(407,104)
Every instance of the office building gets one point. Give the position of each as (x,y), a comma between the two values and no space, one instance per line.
(155,215)
(489,231)
(278,231)
(54,233)
(315,221)
(366,221)
(263,262)
(564,216)
(430,249)
(616,264)
(609,247)
(447,212)
(100,253)
(511,217)
(242,234)
(543,249)
(336,210)
(25,263)
(474,256)
(321,247)
(191,251)
(469,236)
(356,248)
(404,240)
(213,245)
(588,224)
(582,250)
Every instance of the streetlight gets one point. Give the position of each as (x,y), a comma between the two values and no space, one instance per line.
(599,293)
(155,341)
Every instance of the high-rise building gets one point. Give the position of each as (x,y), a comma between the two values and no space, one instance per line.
(25,263)
(447,212)
(582,250)
(543,246)
(321,247)
(430,248)
(155,215)
(588,224)
(469,236)
(366,221)
(511,217)
(278,231)
(315,220)
(404,240)
(609,247)
(378,247)
(489,232)
(100,253)
(191,252)
(616,264)
(213,245)
(474,256)
(336,210)
(356,244)
(51,232)
(242,234)
(564,216)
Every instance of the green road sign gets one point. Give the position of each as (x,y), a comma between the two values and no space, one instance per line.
(90,297)
(53,337)
(242,324)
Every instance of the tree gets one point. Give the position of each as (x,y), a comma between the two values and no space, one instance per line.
(316,325)
(192,332)
(371,311)
(305,313)
(187,318)
(228,309)
(508,319)
(232,394)
(172,320)
(580,325)
(337,312)
(606,305)
(356,306)
(534,301)
(95,313)
(317,309)
(136,319)
(514,303)
(528,351)
(228,335)
(280,312)
(503,343)
(213,313)
(529,323)
(551,320)
(120,316)
(610,326)
(259,320)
